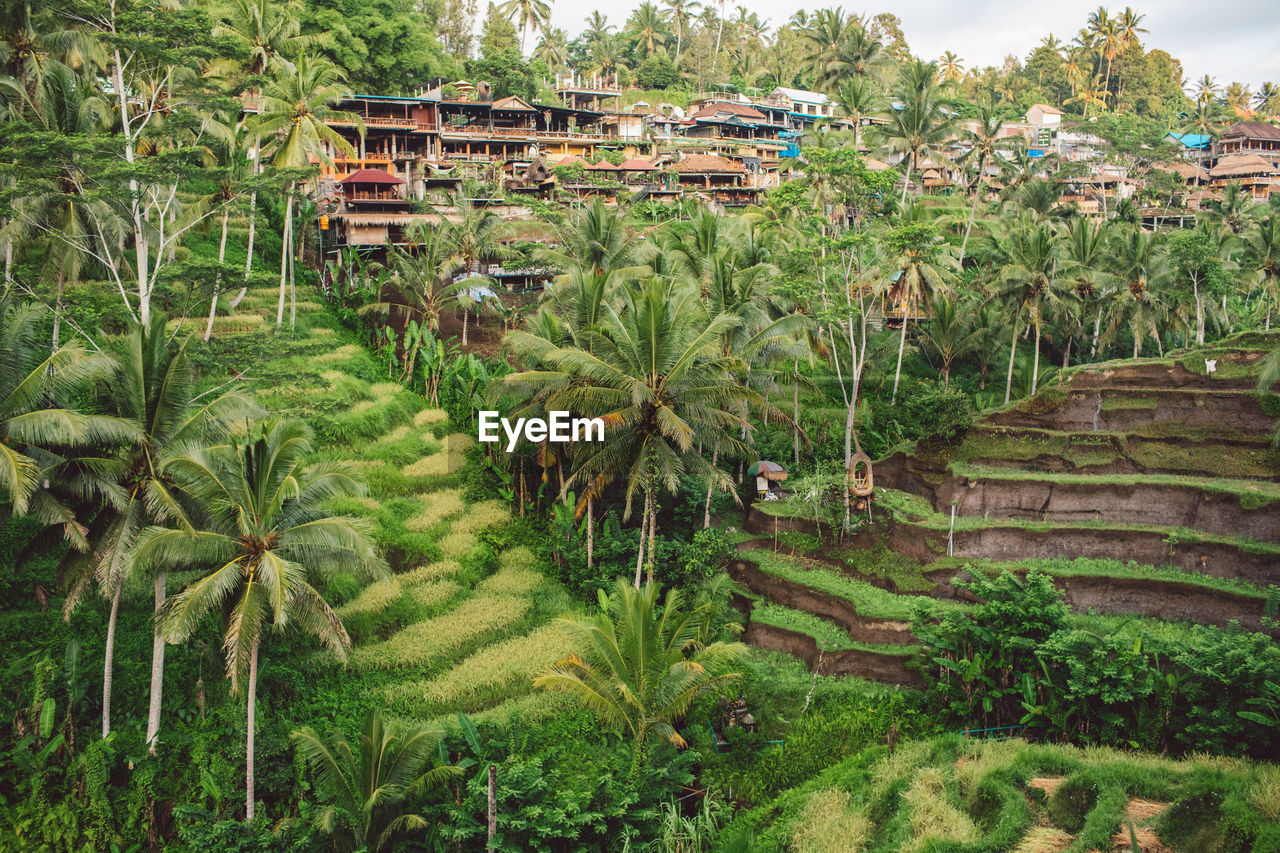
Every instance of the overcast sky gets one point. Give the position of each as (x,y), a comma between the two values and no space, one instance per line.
(1229,39)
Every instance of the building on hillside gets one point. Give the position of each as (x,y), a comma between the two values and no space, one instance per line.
(1251,137)
(712,178)
(1193,146)
(1256,174)
(804,106)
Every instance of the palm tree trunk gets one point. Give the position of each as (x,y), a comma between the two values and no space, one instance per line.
(286,245)
(653,532)
(706,515)
(1097,328)
(1195,290)
(248,261)
(906,181)
(57,313)
(465,315)
(591,531)
(973,209)
(157,669)
(644,521)
(902,344)
(248,741)
(1013,349)
(109,657)
(293,290)
(1035,362)
(795,411)
(217,282)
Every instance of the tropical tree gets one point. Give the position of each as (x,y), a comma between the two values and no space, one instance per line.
(950,67)
(948,334)
(1263,254)
(653,372)
(923,122)
(420,286)
(1142,269)
(527,15)
(920,268)
(858,96)
(645,26)
(153,392)
(1085,267)
(364,785)
(984,144)
(265,535)
(296,114)
(681,12)
(639,662)
(1029,280)
(553,47)
(38,424)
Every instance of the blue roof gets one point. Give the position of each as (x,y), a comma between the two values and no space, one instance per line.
(1190,140)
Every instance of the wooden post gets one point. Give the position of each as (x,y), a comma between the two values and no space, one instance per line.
(493,805)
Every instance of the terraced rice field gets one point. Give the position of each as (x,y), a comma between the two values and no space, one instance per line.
(459,624)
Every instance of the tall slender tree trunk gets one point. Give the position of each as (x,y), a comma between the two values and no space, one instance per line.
(902,345)
(248,741)
(466,314)
(973,209)
(906,180)
(157,668)
(1097,328)
(1013,349)
(706,514)
(248,261)
(1035,362)
(1195,290)
(293,290)
(108,660)
(285,248)
(591,531)
(217,282)
(57,312)
(795,412)
(644,522)
(653,532)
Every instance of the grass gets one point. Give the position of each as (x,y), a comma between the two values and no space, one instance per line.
(829,636)
(431,640)
(1251,494)
(1102,568)
(830,823)
(868,600)
(1118,400)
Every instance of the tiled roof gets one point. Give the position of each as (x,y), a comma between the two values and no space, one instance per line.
(707,163)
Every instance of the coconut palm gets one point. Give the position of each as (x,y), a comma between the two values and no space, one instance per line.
(1085,263)
(645,26)
(37,424)
(420,286)
(1267,99)
(821,35)
(266,33)
(858,53)
(651,368)
(365,785)
(1029,280)
(948,334)
(1206,90)
(639,662)
(923,123)
(596,240)
(1091,92)
(1141,269)
(553,47)
(527,15)
(153,391)
(1263,253)
(919,269)
(950,67)
(296,114)
(264,535)
(984,145)
(858,96)
(681,12)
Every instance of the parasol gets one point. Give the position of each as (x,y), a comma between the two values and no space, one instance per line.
(768,470)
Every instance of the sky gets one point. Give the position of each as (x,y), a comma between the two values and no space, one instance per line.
(1227,39)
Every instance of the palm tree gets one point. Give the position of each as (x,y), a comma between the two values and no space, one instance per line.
(264,533)
(1091,92)
(1267,100)
(638,664)
(984,144)
(597,28)
(607,54)
(365,785)
(948,334)
(652,370)
(922,123)
(153,391)
(1206,90)
(553,47)
(1141,268)
(822,35)
(1129,25)
(474,237)
(596,240)
(296,115)
(921,269)
(858,96)
(527,15)
(857,53)
(1085,263)
(36,424)
(266,33)
(1029,279)
(645,26)
(420,286)
(950,67)
(681,12)
(1263,247)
